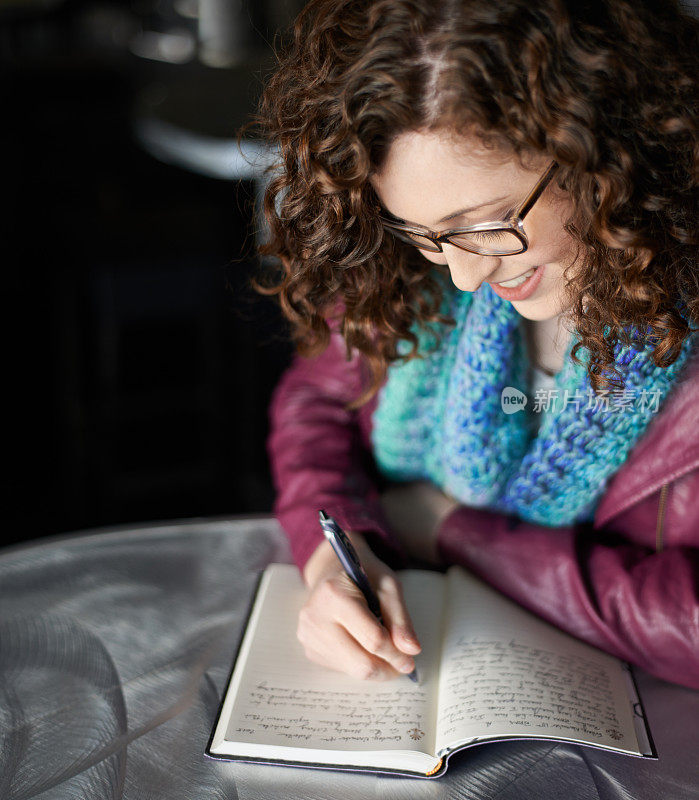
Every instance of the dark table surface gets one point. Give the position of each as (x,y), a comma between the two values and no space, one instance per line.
(115,647)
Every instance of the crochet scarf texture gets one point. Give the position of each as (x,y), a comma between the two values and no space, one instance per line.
(443,417)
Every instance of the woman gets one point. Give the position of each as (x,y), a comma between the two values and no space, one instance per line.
(480,203)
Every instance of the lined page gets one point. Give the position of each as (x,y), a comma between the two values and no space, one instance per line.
(281,698)
(506,672)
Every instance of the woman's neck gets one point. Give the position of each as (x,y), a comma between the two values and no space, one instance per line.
(547,342)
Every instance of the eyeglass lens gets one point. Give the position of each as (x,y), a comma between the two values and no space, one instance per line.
(494,242)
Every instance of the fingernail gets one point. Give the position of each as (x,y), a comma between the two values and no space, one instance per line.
(408,666)
(412,642)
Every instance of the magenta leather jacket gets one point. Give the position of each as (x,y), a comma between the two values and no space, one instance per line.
(627,583)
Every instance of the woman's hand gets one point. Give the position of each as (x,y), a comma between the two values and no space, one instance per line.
(415,511)
(336,627)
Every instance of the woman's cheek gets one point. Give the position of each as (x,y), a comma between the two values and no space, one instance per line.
(551,244)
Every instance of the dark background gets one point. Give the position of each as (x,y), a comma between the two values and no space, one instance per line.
(138,362)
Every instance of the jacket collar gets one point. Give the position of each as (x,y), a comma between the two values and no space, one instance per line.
(668,449)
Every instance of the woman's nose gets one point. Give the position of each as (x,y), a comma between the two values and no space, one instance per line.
(435,257)
(468,270)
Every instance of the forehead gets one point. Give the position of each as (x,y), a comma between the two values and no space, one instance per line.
(429,175)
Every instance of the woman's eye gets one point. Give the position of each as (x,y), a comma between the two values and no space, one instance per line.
(490,236)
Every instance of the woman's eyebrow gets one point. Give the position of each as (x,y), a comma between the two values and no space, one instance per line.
(459,213)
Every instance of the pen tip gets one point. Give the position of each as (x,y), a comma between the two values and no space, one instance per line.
(322,515)
(413,676)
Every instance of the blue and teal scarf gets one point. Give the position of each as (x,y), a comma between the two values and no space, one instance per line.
(441,417)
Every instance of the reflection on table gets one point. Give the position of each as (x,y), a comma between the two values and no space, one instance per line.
(115,647)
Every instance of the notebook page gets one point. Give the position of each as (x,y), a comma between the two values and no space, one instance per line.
(285,700)
(506,672)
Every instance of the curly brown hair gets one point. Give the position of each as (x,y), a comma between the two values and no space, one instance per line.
(606,88)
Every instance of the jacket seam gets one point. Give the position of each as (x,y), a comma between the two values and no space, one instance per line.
(662,508)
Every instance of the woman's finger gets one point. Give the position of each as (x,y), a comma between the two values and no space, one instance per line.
(341,652)
(363,626)
(339,601)
(396,616)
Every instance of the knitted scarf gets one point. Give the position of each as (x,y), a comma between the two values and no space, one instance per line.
(443,417)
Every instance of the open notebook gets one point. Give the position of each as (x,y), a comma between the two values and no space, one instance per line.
(489,670)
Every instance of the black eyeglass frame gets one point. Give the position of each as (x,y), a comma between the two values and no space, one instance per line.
(513,225)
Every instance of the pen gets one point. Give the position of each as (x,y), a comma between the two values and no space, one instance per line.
(344,549)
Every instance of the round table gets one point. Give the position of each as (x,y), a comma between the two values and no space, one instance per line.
(115,647)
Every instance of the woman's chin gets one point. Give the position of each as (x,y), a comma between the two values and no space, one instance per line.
(541,309)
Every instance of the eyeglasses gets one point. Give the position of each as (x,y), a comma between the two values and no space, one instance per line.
(502,238)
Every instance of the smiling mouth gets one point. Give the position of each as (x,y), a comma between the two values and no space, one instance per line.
(511,283)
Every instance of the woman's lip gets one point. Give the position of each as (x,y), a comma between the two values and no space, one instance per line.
(524,290)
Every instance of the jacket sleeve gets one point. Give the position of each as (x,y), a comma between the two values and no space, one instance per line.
(319,459)
(637,603)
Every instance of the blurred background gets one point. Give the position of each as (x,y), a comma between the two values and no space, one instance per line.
(139,363)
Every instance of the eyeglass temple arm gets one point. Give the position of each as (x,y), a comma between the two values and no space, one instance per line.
(537,190)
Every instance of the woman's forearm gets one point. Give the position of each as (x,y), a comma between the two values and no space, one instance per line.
(629,600)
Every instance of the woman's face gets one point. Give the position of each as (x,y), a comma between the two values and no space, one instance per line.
(428,177)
